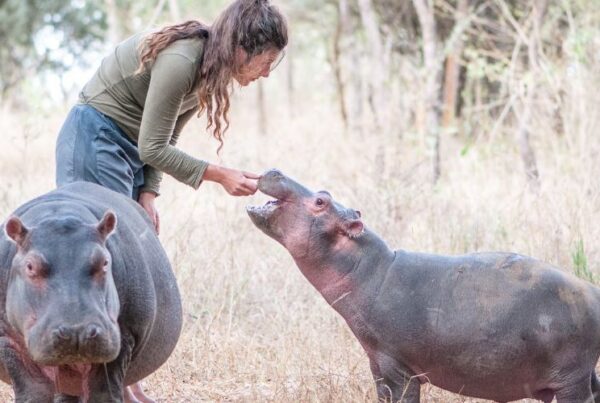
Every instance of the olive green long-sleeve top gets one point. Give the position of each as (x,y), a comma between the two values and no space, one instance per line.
(153,106)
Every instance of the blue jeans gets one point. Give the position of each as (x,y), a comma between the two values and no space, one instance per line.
(92,148)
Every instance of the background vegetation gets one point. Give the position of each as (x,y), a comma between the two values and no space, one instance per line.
(454,126)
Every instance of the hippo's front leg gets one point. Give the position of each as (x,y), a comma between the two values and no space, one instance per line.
(394,382)
(107,382)
(29,384)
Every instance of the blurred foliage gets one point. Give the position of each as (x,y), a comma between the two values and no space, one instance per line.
(329,38)
(45,34)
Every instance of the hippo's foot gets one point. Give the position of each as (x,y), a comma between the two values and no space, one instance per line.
(135,394)
(390,391)
(395,383)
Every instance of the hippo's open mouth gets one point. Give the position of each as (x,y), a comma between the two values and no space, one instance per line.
(263,212)
(282,189)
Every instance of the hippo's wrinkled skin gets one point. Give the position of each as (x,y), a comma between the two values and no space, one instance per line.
(496,326)
(87,304)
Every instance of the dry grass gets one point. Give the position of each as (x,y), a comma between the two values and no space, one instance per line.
(255,330)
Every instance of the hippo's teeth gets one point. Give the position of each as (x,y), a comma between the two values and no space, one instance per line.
(353,236)
(266,208)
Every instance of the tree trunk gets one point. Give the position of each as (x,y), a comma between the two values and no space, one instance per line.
(527,153)
(350,55)
(432,73)
(119,20)
(115,31)
(452,71)
(539,8)
(336,62)
(156,13)
(358,92)
(175,11)
(376,79)
(377,76)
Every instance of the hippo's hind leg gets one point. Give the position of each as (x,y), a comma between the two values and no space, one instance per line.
(394,382)
(577,392)
(595,387)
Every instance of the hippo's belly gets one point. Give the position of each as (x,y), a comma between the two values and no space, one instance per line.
(495,373)
(520,384)
(493,365)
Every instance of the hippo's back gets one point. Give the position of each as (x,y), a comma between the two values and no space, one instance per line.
(94,198)
(148,294)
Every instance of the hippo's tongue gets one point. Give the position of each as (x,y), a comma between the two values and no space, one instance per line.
(69,379)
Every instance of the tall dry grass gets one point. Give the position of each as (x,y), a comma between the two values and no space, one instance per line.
(254,329)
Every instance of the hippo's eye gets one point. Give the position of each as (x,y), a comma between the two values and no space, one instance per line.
(34,269)
(319,202)
(104,268)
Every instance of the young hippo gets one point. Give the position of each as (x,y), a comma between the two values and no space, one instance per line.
(497,326)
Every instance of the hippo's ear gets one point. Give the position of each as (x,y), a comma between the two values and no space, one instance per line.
(16,230)
(107,225)
(353,228)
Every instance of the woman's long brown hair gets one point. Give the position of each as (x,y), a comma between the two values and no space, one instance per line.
(254,25)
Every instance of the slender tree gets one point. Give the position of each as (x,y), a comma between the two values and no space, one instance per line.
(432,77)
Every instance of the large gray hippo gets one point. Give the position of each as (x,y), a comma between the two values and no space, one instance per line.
(496,326)
(87,304)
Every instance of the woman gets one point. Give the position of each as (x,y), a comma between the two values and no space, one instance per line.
(122,133)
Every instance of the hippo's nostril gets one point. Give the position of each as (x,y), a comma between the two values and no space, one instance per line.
(357,213)
(63,332)
(92,331)
(274,173)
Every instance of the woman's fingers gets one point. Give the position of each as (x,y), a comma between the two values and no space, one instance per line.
(247,185)
(239,183)
(250,175)
(251,186)
(245,189)
(153,214)
(146,200)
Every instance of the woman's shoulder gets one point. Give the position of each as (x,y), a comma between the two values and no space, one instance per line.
(190,48)
(179,63)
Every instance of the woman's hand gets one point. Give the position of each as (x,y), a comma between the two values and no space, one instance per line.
(146,200)
(236,183)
